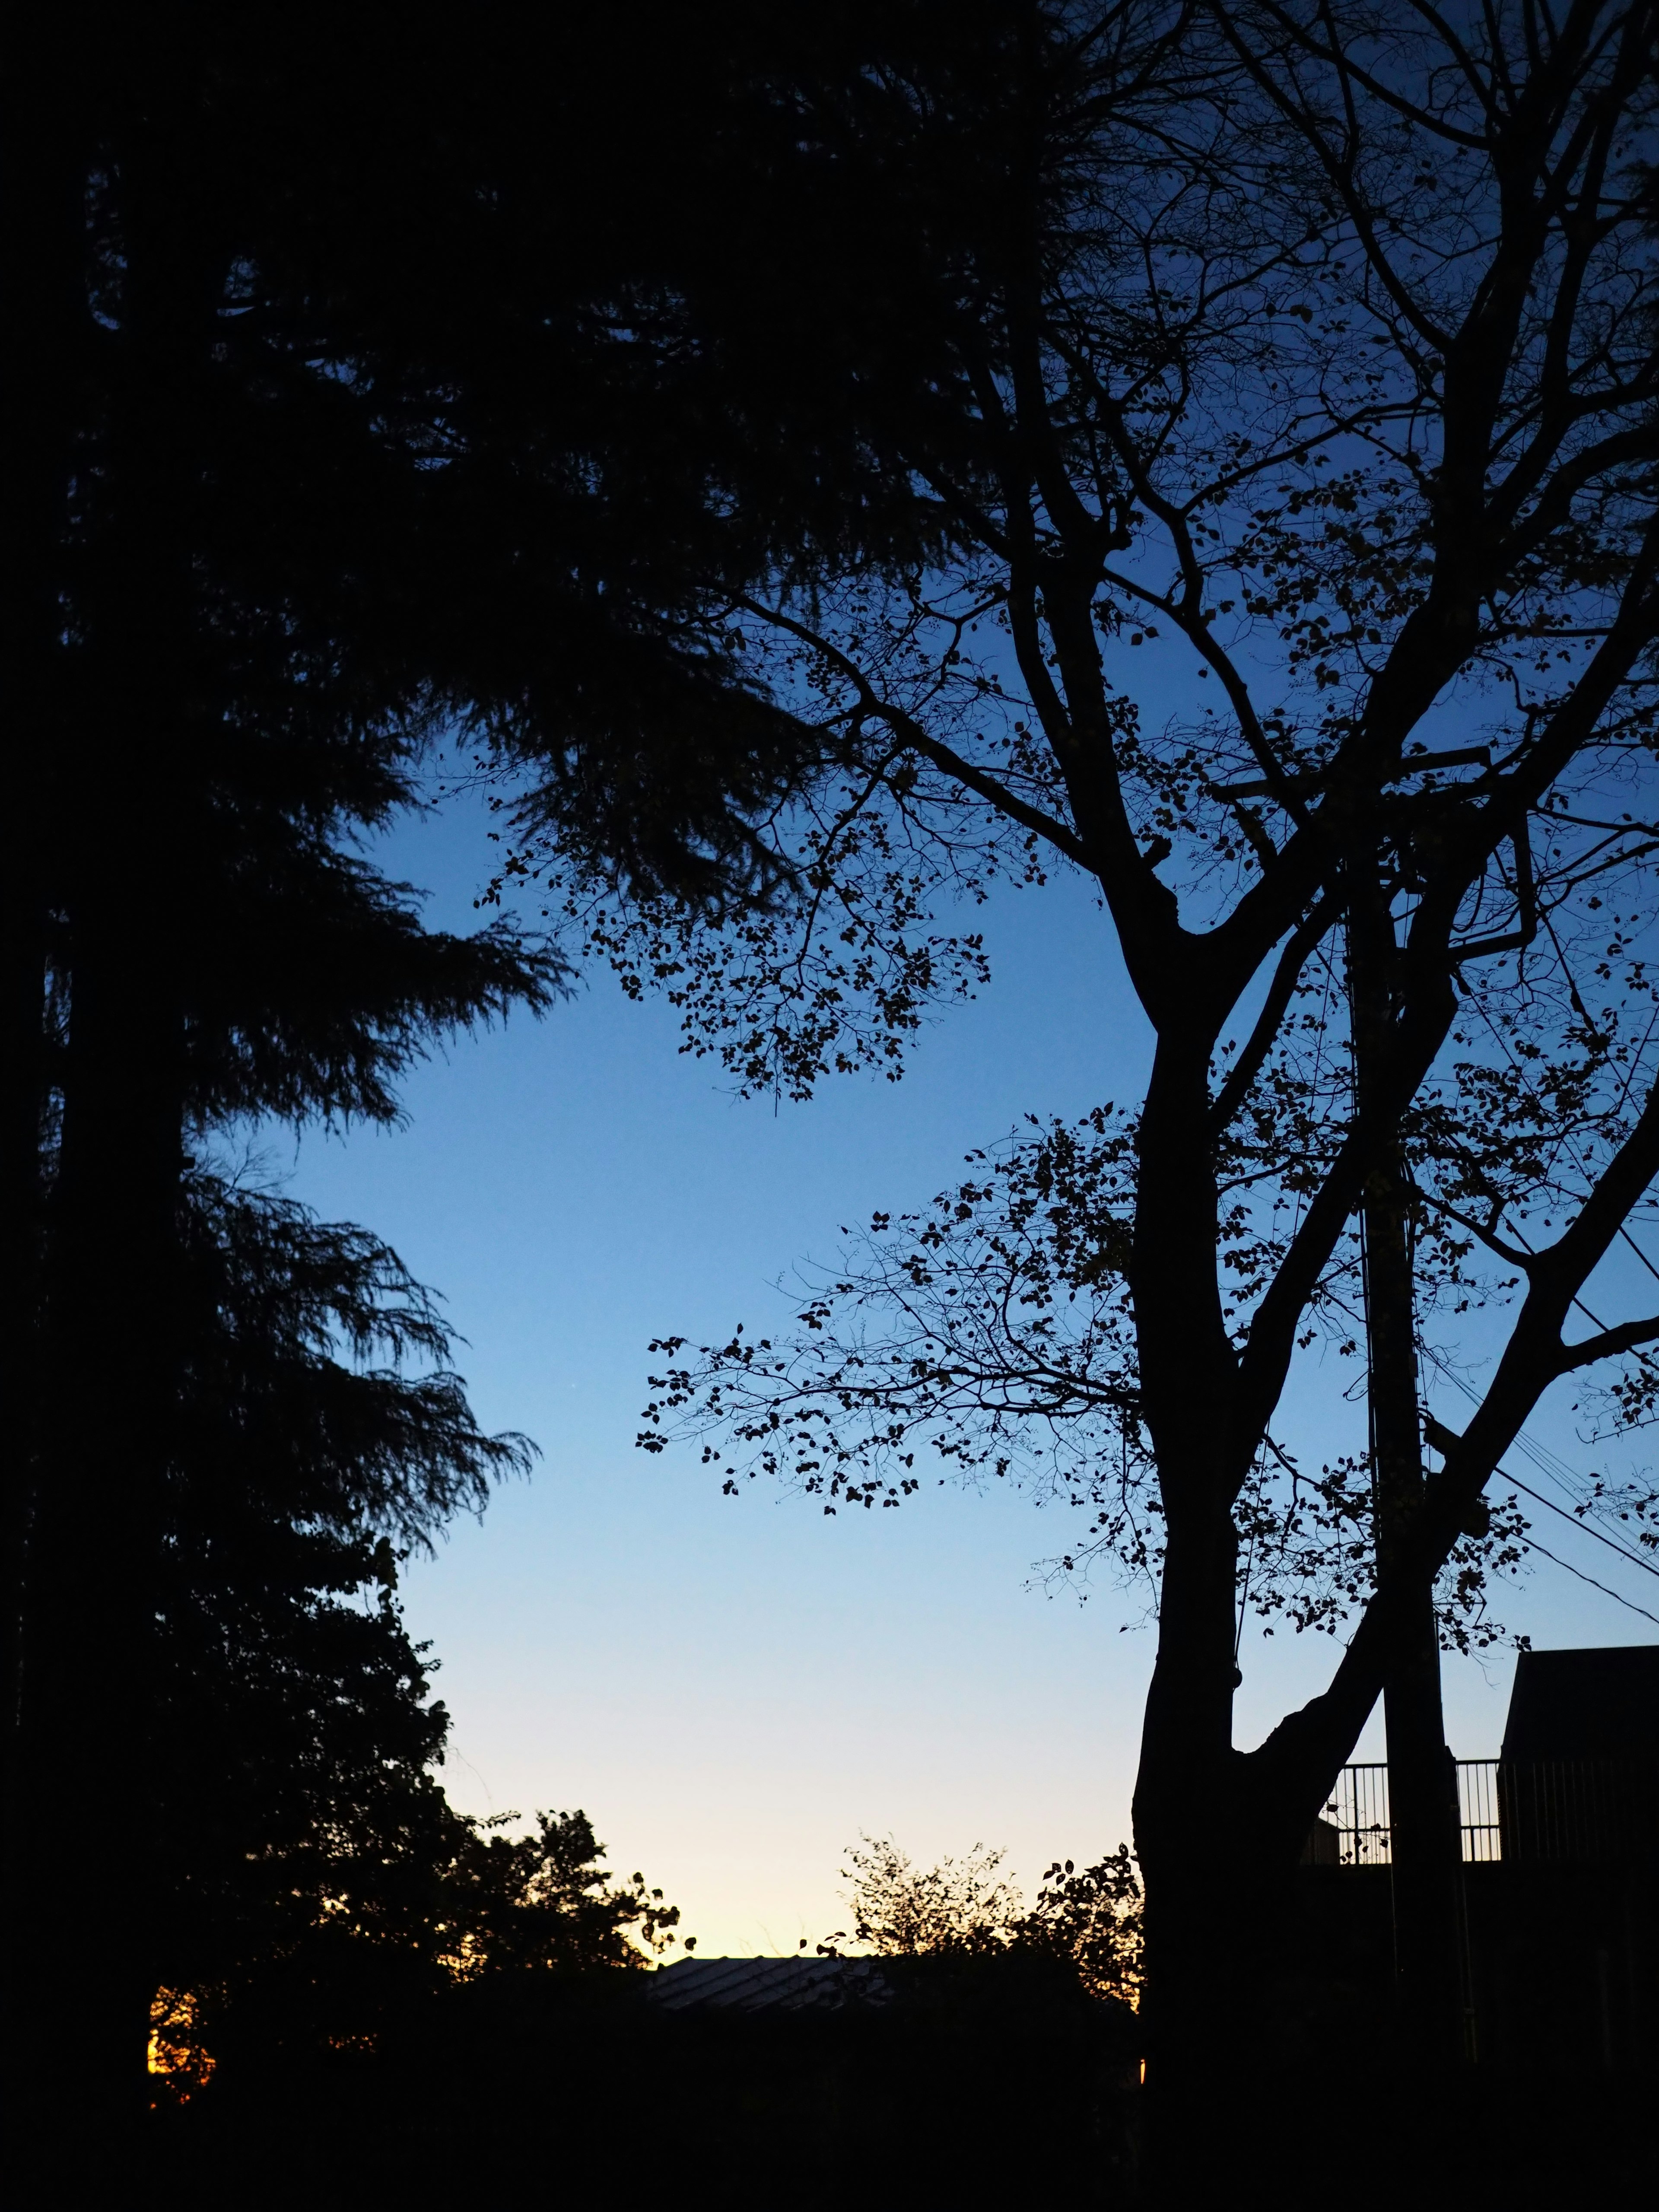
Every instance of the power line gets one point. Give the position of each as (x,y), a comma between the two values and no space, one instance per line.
(1541,1454)
(1630,1604)
(1572,1520)
(1568,1147)
(1548,1462)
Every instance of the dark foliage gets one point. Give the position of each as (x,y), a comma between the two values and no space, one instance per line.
(1286,377)
(1086,1918)
(311,1874)
(374,388)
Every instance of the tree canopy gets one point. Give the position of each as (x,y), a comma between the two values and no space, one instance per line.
(313,1877)
(1088,1917)
(1284,381)
(828,468)
(333,431)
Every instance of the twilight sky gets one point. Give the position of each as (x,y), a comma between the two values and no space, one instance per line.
(734,1689)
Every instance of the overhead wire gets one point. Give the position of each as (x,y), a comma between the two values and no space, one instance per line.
(1568,1147)
(1549,1463)
(1531,1542)
(1572,1520)
(1559,1472)
(1629,1604)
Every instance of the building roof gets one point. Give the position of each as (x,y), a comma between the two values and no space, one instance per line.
(768,1985)
(1585,1705)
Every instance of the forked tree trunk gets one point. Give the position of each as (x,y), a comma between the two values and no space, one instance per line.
(1187,1836)
(1219,1833)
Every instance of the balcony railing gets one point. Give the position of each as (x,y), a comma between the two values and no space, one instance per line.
(1580,1810)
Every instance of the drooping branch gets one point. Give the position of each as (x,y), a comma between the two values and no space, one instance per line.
(919,739)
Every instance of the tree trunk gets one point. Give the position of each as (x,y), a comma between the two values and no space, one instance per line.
(1425,1839)
(1204,1860)
(1425,1846)
(42,141)
(109,1368)
(43,182)
(1207,1868)
(111,1388)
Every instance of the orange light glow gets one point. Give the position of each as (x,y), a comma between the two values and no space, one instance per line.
(178,2057)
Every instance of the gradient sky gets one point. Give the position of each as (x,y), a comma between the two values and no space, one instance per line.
(734,1689)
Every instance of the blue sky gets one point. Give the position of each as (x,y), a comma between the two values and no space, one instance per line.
(734,1688)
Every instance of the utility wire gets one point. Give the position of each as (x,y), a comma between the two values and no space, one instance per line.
(1560,1473)
(1628,1602)
(1572,1520)
(1568,1147)
(1634,1559)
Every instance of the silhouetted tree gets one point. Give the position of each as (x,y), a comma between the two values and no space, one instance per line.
(543,1901)
(313,986)
(1316,351)
(334,429)
(1089,1918)
(322,1434)
(311,1877)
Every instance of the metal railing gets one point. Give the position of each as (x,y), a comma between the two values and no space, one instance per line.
(1359,1812)
(1479,1810)
(1579,1810)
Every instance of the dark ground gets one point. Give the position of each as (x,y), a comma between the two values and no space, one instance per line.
(981,2092)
